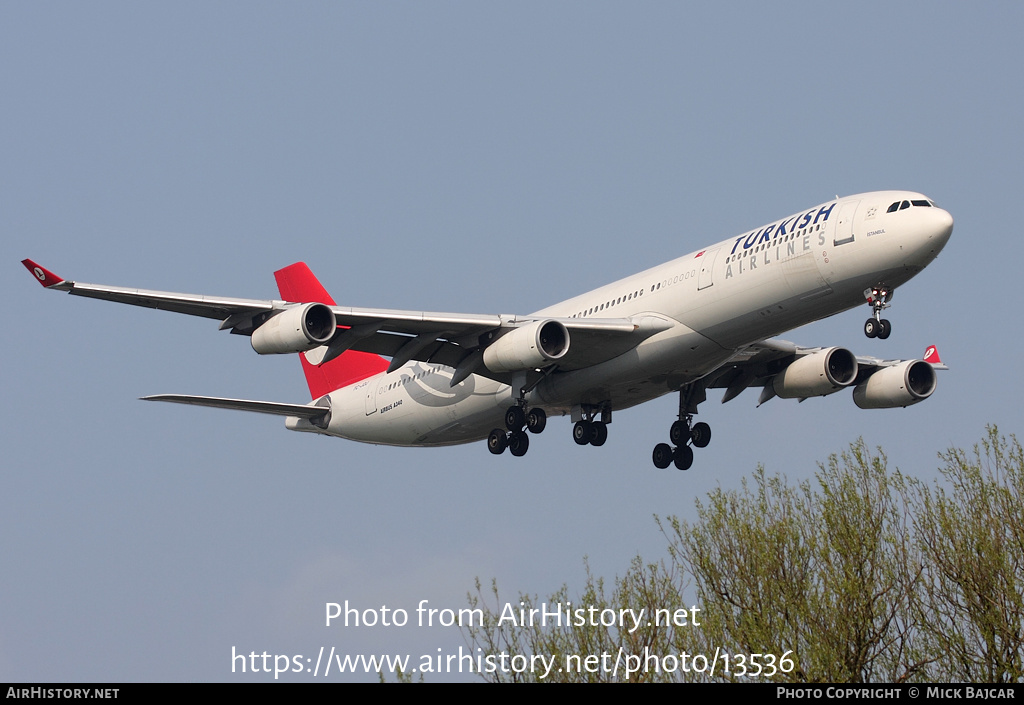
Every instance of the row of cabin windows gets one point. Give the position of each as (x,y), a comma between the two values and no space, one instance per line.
(405,380)
(608,304)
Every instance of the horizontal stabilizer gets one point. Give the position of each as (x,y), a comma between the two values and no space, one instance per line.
(303,411)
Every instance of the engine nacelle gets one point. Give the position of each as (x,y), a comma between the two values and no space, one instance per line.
(529,347)
(816,375)
(900,385)
(295,330)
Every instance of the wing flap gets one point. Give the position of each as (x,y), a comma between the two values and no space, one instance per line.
(414,322)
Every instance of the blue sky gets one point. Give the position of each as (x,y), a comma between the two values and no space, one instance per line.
(486,158)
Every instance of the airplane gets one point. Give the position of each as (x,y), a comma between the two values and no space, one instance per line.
(706,320)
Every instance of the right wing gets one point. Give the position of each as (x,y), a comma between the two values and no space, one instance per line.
(771,364)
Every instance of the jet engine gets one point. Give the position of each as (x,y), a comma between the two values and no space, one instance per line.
(816,375)
(900,385)
(528,347)
(295,329)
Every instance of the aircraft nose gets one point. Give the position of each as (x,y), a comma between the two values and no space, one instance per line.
(930,233)
(941,226)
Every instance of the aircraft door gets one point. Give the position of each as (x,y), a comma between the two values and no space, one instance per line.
(707,268)
(371,396)
(844,224)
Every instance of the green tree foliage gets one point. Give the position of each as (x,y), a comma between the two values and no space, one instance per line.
(644,586)
(970,534)
(859,575)
(819,568)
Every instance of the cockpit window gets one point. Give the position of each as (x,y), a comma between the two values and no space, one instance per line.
(901,205)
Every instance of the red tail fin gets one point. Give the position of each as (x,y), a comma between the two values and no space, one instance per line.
(931,354)
(297,283)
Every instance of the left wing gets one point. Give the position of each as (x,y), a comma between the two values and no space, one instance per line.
(323,330)
(786,370)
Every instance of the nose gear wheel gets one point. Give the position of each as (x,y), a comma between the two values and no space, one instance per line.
(878,298)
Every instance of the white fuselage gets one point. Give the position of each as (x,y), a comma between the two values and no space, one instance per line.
(717,300)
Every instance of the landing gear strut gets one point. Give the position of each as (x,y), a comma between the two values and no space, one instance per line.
(684,432)
(516,417)
(878,298)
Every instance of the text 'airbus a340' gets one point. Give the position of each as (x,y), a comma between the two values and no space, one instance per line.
(704,320)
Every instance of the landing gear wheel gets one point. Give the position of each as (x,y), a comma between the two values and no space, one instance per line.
(582,432)
(497,441)
(518,443)
(600,433)
(701,435)
(679,432)
(878,298)
(536,420)
(662,456)
(683,457)
(884,329)
(515,418)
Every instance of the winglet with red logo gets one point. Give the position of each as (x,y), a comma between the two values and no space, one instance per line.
(931,355)
(45,276)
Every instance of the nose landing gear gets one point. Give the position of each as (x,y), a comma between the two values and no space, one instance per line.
(878,298)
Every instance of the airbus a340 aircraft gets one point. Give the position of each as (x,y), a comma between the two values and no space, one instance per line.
(704,320)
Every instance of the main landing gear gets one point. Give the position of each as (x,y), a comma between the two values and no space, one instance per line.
(878,298)
(515,438)
(591,430)
(684,432)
